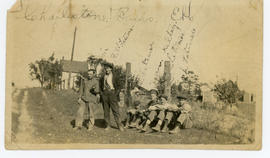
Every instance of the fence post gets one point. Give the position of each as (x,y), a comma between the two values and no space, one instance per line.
(167,76)
(64,84)
(127,85)
(73,80)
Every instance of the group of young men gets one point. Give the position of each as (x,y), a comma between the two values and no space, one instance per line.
(94,90)
(157,115)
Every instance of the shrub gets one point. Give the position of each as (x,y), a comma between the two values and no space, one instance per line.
(46,71)
(119,71)
(227,91)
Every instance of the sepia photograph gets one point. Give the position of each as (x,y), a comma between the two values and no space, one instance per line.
(164,74)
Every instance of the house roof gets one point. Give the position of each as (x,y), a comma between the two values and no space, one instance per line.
(74,66)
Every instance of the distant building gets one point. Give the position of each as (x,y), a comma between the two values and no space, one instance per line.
(249,97)
(207,94)
(72,67)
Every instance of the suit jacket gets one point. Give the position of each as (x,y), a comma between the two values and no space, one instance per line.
(116,87)
(88,89)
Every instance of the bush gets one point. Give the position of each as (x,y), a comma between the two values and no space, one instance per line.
(227,91)
(188,85)
(119,72)
(46,71)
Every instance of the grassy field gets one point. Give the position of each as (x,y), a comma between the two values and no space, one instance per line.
(237,121)
(53,112)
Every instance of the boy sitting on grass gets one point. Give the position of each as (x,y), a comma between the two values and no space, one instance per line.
(156,111)
(142,110)
(159,111)
(131,111)
(132,115)
(183,113)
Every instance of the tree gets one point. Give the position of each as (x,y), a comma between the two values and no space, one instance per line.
(38,71)
(189,84)
(227,91)
(174,90)
(134,81)
(160,84)
(46,71)
(190,79)
(119,72)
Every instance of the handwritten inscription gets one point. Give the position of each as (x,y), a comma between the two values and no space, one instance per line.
(188,45)
(146,60)
(177,36)
(121,41)
(46,13)
(159,67)
(104,51)
(171,32)
(182,14)
(150,51)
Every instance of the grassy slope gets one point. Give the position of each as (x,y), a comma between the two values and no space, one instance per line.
(239,123)
(52,117)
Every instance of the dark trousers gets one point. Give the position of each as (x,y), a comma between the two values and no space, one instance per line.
(109,101)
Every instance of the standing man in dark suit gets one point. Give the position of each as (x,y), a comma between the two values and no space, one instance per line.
(110,97)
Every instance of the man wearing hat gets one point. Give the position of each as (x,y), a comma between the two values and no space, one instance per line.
(184,119)
(110,96)
(88,97)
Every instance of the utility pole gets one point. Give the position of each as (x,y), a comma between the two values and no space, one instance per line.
(167,76)
(72,54)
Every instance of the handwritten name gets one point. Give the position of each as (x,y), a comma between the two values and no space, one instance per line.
(123,39)
(47,13)
(121,42)
(150,51)
(182,14)
(177,37)
(188,45)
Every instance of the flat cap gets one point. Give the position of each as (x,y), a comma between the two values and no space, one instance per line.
(154,91)
(105,64)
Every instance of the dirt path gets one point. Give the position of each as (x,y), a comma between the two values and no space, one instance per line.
(25,129)
(15,105)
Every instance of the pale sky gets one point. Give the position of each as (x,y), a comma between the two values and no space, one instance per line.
(227,42)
